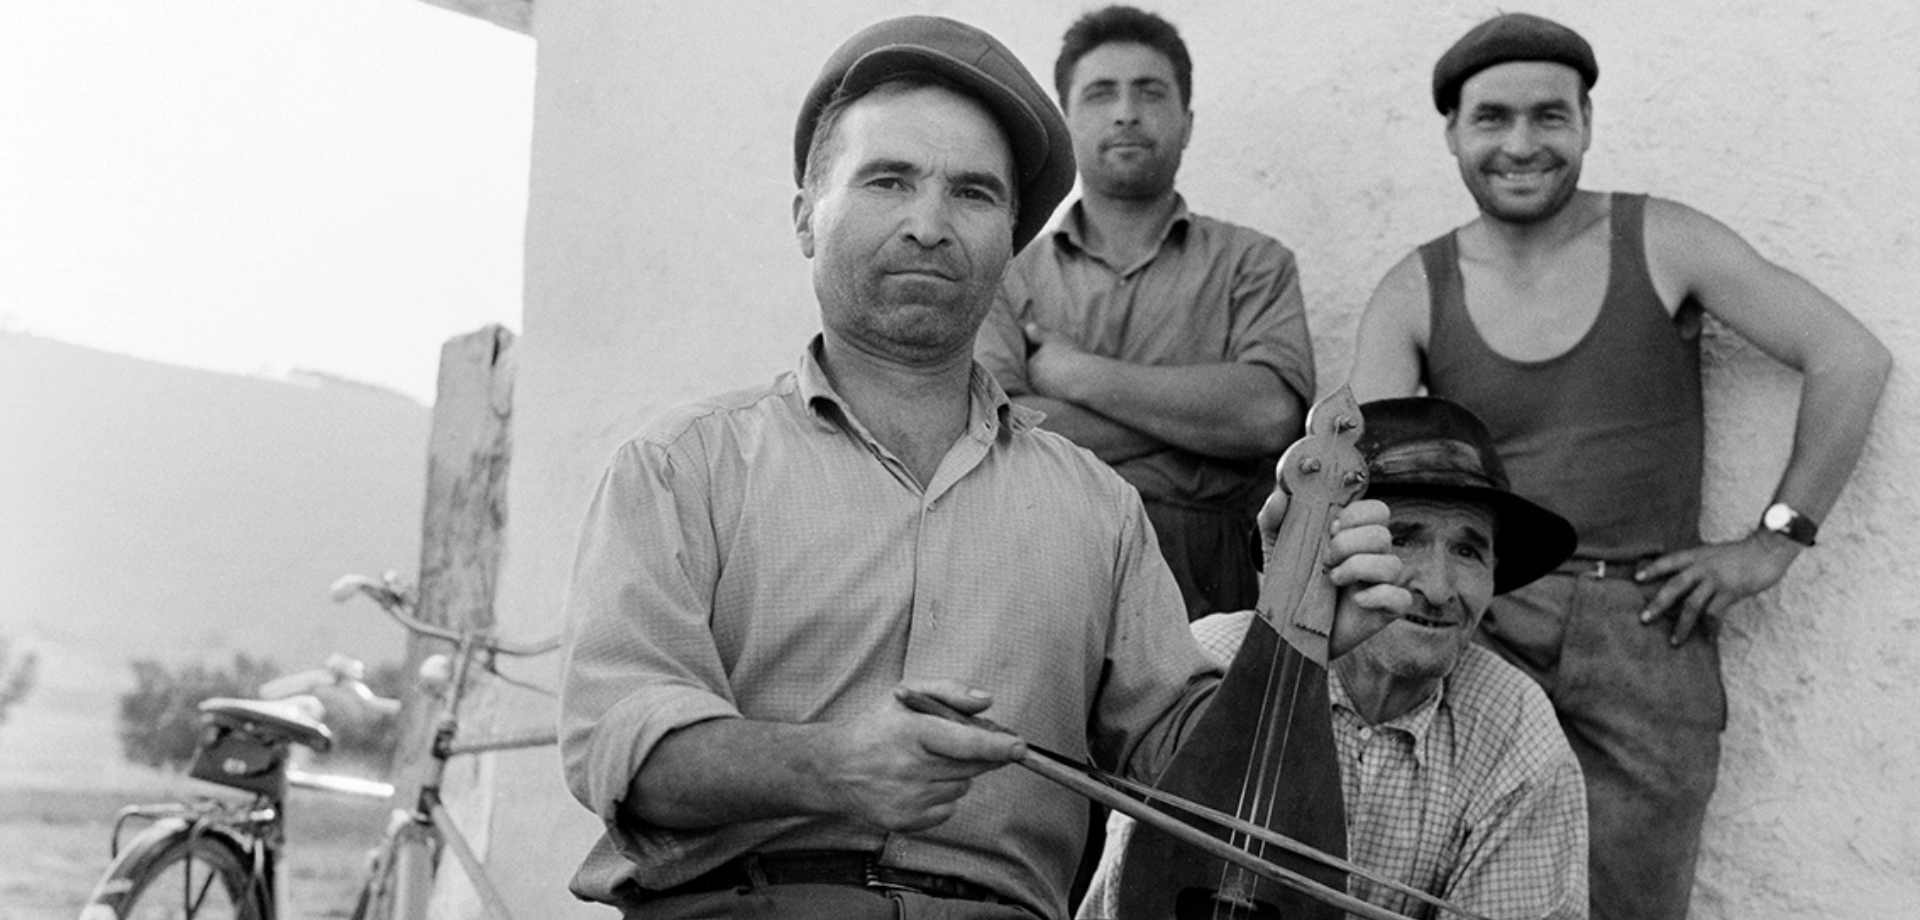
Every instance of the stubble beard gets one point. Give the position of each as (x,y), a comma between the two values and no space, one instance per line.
(1488,199)
(1144,181)
(907,325)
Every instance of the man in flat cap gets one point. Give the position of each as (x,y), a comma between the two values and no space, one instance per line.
(764,574)
(1172,345)
(1570,320)
(1456,778)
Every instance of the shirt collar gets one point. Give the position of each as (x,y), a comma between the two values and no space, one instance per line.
(989,410)
(1414,723)
(1071,230)
(824,406)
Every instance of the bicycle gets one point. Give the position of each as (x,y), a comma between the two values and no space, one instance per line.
(219,859)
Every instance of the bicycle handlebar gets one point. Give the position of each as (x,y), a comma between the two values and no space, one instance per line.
(340,672)
(396,599)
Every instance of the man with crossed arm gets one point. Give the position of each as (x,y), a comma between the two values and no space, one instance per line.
(1174,346)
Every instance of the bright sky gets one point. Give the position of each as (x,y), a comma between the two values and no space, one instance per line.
(259,185)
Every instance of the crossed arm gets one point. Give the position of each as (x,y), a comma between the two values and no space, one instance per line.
(1224,409)
(1230,407)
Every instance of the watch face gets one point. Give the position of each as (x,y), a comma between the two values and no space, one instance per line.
(1777,517)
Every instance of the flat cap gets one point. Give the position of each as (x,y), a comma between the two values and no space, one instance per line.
(976,62)
(1509,37)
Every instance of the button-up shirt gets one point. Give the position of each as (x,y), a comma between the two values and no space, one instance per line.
(1211,292)
(1472,796)
(760,555)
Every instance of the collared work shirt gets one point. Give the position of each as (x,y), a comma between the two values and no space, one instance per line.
(760,555)
(1212,292)
(1472,796)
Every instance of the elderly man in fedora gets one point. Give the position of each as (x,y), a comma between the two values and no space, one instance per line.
(762,575)
(1456,778)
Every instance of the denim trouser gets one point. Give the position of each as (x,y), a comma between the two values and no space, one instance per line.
(1644,718)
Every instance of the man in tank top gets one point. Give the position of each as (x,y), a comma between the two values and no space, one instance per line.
(1569,321)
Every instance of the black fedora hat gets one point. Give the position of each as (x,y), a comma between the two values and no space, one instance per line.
(1427,447)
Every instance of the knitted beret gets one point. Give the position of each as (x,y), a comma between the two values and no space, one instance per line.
(1504,38)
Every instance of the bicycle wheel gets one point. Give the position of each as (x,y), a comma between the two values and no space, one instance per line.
(171,872)
(400,879)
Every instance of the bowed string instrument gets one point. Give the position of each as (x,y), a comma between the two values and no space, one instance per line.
(1247,820)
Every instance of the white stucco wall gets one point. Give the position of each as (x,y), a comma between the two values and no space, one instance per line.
(661,265)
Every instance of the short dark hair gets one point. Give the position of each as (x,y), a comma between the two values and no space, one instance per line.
(1122,24)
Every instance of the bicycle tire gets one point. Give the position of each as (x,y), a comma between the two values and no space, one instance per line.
(178,871)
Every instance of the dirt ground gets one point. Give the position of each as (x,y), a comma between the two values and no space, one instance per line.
(53,847)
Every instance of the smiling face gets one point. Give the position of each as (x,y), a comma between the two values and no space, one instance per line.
(1128,122)
(1519,134)
(909,223)
(1447,562)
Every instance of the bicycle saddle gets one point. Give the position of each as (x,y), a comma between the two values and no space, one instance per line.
(281,718)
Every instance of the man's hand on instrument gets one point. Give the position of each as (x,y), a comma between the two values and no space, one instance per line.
(1707,579)
(1361,551)
(905,771)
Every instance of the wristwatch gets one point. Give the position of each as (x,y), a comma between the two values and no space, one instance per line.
(1783,520)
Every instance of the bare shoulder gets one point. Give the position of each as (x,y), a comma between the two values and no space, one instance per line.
(1401,294)
(1676,224)
(1393,333)
(1680,236)
(1691,254)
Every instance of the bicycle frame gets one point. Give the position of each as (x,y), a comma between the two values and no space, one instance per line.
(418,829)
(201,842)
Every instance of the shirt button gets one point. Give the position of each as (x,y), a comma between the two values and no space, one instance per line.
(1366,734)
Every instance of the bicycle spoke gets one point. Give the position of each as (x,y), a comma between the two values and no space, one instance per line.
(189,887)
(194,901)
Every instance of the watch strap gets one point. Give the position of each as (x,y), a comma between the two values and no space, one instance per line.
(1782,519)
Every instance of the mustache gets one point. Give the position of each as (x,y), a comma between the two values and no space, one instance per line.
(1453,612)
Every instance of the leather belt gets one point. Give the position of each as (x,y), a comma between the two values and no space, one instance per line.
(1603,568)
(827,867)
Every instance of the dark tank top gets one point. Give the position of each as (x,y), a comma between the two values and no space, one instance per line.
(1609,433)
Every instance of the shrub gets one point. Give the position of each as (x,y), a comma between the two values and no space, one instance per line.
(160,716)
(17,675)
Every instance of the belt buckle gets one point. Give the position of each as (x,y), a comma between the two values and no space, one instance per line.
(870,870)
(1599,570)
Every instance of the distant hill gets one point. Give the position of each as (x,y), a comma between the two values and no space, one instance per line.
(148,510)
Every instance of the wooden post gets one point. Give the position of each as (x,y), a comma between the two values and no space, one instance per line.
(467,457)
(462,534)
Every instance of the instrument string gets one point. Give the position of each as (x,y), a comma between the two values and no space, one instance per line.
(1252,783)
